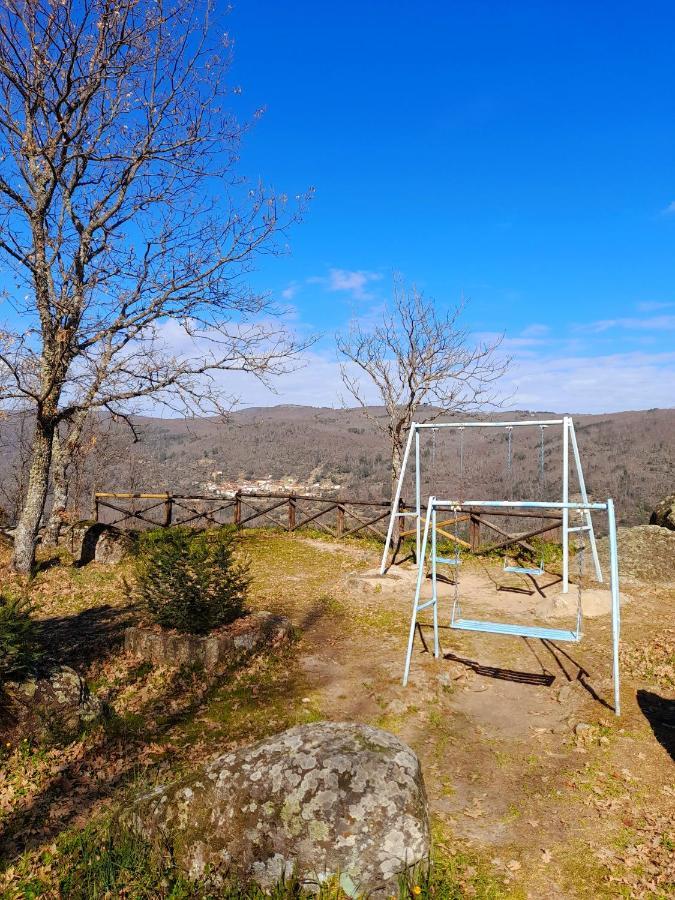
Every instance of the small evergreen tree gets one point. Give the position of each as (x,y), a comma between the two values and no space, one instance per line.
(190,580)
(19,650)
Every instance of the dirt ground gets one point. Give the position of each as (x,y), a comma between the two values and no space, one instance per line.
(536,788)
(523,756)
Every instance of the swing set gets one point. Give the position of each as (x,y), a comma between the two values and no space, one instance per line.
(427,527)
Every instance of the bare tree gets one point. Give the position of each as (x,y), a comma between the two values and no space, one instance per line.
(416,356)
(122,223)
(70,445)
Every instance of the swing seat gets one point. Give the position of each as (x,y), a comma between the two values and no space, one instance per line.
(448,560)
(532,631)
(525,570)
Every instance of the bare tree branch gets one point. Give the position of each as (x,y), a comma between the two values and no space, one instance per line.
(417,357)
(123,222)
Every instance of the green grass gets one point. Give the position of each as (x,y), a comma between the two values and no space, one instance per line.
(104,860)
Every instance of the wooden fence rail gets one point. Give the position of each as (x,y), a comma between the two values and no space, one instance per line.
(338,517)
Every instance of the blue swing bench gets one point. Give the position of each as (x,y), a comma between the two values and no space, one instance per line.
(525,570)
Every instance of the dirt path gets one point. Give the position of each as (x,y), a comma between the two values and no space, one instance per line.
(523,757)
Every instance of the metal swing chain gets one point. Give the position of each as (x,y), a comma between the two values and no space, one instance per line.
(461,463)
(455,598)
(510,461)
(542,474)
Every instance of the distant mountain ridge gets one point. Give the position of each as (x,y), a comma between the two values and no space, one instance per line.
(629,456)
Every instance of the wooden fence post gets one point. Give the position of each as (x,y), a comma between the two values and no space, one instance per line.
(95,499)
(474,533)
(292,508)
(340,524)
(237,509)
(168,510)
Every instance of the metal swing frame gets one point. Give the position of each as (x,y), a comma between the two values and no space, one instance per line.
(569,442)
(517,630)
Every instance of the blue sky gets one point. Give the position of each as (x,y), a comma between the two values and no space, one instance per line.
(520,153)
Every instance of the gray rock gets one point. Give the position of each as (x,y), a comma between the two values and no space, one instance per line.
(170,648)
(55,707)
(664,514)
(94,541)
(112,546)
(317,800)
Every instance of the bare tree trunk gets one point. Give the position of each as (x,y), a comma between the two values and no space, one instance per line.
(59,468)
(25,536)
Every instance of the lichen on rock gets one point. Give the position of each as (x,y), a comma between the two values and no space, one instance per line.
(319,800)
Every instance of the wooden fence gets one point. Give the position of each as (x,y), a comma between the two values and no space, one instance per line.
(338,517)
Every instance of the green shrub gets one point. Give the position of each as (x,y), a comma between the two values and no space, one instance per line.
(19,650)
(190,580)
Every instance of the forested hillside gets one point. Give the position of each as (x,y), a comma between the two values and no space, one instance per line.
(629,456)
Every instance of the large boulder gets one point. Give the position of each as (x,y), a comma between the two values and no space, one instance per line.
(318,800)
(664,514)
(55,707)
(112,546)
(96,542)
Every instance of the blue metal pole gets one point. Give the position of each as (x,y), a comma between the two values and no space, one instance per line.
(518,504)
(418,589)
(394,507)
(565,511)
(433,581)
(584,496)
(418,494)
(520,423)
(616,603)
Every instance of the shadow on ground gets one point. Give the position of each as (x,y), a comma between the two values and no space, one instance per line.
(660,713)
(83,638)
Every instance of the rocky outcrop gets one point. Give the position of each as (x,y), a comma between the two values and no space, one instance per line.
(54,708)
(112,546)
(222,647)
(664,514)
(318,800)
(96,542)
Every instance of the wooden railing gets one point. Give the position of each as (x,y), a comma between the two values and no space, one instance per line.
(338,517)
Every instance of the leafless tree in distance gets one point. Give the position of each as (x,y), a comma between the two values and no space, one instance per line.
(123,226)
(415,356)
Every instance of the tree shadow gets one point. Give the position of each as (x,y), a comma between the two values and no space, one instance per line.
(577,673)
(44,565)
(660,713)
(83,638)
(127,742)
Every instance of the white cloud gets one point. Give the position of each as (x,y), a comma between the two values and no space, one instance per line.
(633,323)
(348,281)
(289,292)
(560,376)
(669,210)
(653,306)
(535,330)
(562,383)
(594,384)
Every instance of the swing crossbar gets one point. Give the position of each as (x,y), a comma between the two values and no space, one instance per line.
(427,603)
(531,631)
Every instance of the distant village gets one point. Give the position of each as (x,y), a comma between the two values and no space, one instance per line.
(221,487)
